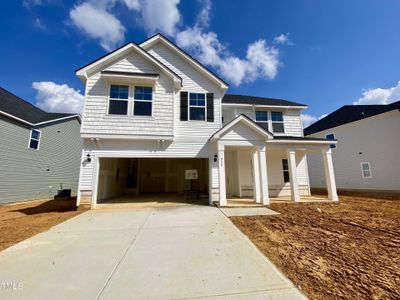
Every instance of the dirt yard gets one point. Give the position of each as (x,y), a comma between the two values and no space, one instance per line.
(349,250)
(21,221)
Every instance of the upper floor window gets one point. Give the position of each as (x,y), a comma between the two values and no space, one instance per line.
(197,107)
(261,116)
(34,140)
(366,170)
(119,95)
(331,137)
(143,101)
(277,122)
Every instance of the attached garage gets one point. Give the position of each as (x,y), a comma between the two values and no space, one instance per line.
(124,180)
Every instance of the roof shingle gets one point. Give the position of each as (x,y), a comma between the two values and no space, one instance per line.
(242,99)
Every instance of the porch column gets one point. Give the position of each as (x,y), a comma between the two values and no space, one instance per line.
(263,176)
(256,177)
(221,177)
(294,186)
(329,174)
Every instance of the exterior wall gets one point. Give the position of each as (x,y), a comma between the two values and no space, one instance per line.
(23,171)
(96,119)
(291,117)
(374,140)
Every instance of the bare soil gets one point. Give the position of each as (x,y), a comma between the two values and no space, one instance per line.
(21,221)
(346,250)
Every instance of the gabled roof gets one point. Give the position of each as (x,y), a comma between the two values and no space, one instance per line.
(23,111)
(146,44)
(254,100)
(349,113)
(97,64)
(246,120)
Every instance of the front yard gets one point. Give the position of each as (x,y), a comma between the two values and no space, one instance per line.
(21,221)
(349,250)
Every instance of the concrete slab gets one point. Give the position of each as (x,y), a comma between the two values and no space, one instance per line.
(164,253)
(247,211)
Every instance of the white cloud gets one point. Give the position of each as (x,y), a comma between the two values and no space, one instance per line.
(98,23)
(54,97)
(310,119)
(162,16)
(282,39)
(380,96)
(39,24)
(29,3)
(261,60)
(132,4)
(203,17)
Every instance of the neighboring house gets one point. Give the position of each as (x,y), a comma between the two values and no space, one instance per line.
(152,112)
(40,151)
(367,155)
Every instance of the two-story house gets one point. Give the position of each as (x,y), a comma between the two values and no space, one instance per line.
(153,112)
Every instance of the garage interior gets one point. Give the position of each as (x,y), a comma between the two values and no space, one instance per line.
(159,180)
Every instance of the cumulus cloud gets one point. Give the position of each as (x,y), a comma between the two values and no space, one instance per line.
(261,60)
(98,23)
(380,96)
(29,3)
(39,24)
(54,97)
(282,39)
(310,119)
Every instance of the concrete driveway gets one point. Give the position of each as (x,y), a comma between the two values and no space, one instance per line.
(164,253)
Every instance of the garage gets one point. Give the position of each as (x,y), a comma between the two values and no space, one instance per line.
(152,180)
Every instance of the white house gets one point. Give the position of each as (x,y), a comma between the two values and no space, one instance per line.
(152,112)
(367,155)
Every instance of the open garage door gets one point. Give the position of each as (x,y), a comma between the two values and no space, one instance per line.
(123,180)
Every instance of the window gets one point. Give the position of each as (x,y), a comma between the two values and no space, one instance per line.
(34,140)
(119,95)
(366,170)
(277,122)
(262,119)
(197,107)
(331,137)
(285,168)
(143,101)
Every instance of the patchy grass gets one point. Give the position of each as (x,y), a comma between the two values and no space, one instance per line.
(346,250)
(21,221)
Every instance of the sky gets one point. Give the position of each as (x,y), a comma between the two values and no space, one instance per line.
(325,54)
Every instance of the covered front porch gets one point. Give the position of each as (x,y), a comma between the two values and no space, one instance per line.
(255,167)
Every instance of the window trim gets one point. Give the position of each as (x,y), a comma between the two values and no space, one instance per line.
(332,146)
(265,111)
(369,169)
(117,99)
(31,138)
(190,106)
(278,122)
(284,170)
(140,100)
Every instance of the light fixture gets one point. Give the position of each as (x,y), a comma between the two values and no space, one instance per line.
(89,159)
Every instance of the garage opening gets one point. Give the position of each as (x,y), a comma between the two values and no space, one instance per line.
(153,180)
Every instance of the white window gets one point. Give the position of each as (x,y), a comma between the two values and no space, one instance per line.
(143,101)
(285,168)
(366,170)
(262,119)
(331,137)
(277,122)
(118,104)
(197,107)
(34,140)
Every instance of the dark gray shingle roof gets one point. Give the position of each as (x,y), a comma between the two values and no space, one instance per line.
(17,107)
(241,99)
(349,113)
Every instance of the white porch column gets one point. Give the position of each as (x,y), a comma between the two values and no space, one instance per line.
(329,174)
(221,177)
(294,186)
(263,176)
(256,177)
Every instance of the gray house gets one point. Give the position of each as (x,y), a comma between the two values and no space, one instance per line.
(39,151)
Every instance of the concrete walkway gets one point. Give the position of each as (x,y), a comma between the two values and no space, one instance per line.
(178,252)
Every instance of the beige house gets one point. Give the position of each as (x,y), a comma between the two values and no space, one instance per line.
(153,113)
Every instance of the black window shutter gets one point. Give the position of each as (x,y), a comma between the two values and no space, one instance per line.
(210,107)
(184,106)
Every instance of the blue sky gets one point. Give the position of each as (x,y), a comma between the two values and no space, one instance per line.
(322,53)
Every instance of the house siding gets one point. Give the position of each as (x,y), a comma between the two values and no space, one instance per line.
(23,174)
(374,140)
